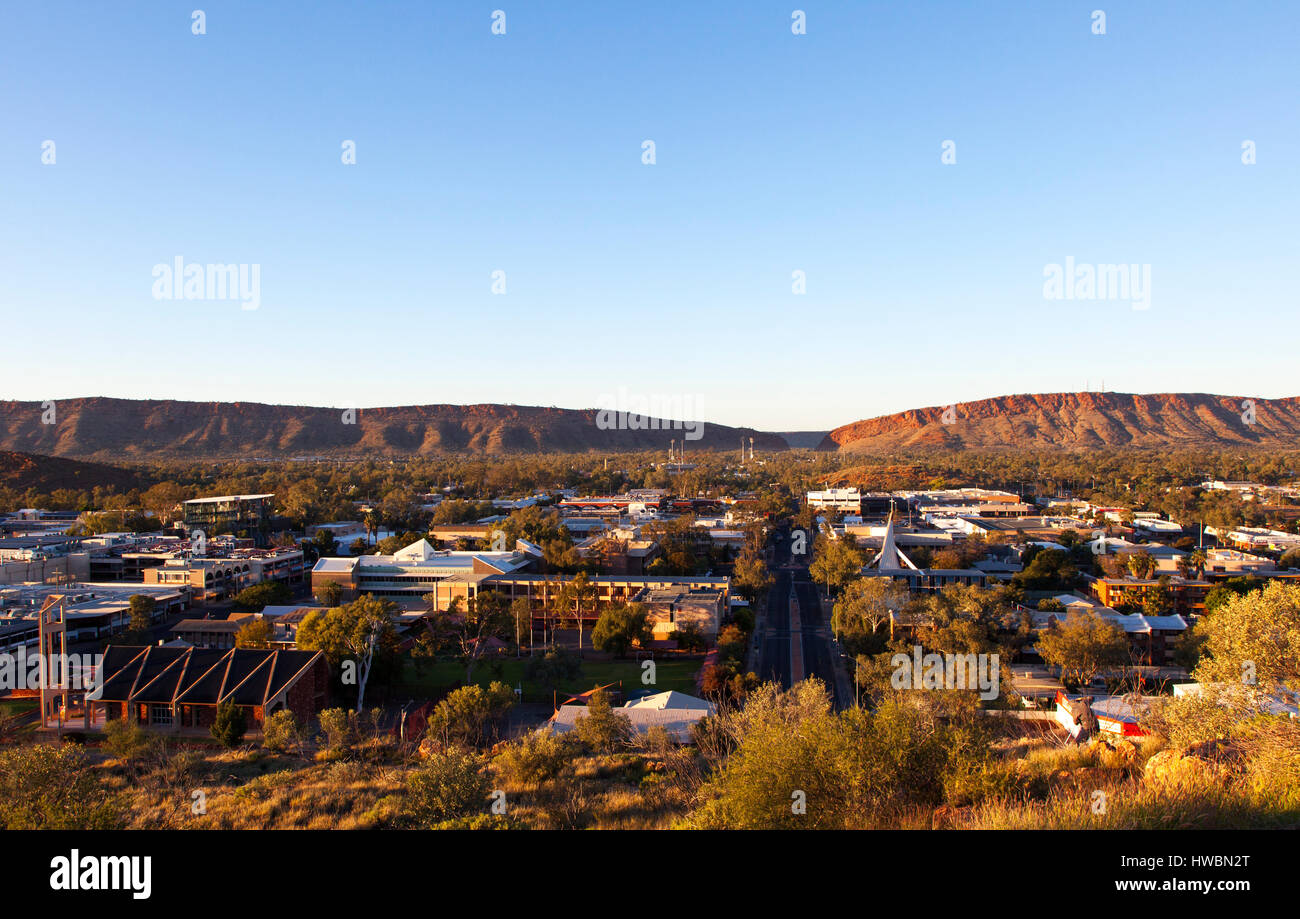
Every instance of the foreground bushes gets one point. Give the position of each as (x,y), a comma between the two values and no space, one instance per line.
(447,786)
(797,765)
(47,787)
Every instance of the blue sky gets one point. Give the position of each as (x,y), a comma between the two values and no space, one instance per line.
(774,153)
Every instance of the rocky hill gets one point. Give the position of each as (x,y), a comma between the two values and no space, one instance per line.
(1080,420)
(104,428)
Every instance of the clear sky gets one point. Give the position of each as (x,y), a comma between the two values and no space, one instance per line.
(774,152)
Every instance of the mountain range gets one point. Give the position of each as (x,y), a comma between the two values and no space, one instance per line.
(1079,420)
(110,429)
(106,428)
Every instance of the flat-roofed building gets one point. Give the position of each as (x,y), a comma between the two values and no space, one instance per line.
(541,590)
(848,500)
(675,608)
(91,612)
(212,579)
(243,515)
(1185,597)
(418,571)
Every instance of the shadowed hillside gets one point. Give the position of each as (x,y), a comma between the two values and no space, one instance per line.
(22,471)
(105,428)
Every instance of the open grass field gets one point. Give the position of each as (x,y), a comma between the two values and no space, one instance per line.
(436,679)
(11,707)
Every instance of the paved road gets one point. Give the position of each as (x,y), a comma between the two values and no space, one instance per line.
(774,653)
(816,635)
(813,649)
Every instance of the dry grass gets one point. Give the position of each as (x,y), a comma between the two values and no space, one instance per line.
(1034,782)
(254,789)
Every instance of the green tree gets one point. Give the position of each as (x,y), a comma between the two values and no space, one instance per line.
(361,633)
(229,725)
(255,633)
(259,596)
(553,669)
(836,562)
(1253,639)
(521,611)
(469,631)
(573,601)
(140,620)
(750,576)
(603,729)
(1049,569)
(465,715)
(621,626)
(1227,589)
(329,593)
(690,637)
(325,544)
(864,609)
(1083,646)
(390,545)
(1140,564)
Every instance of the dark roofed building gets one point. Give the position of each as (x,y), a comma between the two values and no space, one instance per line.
(208,633)
(175,688)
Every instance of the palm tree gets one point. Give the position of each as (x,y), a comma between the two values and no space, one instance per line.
(372,523)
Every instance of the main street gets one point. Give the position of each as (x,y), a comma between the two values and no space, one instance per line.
(795,640)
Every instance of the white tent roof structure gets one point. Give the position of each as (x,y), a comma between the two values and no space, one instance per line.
(890,557)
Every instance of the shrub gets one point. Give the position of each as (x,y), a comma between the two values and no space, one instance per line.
(602,729)
(482,822)
(339,727)
(464,716)
(447,786)
(126,739)
(180,768)
(280,731)
(539,756)
(230,725)
(46,787)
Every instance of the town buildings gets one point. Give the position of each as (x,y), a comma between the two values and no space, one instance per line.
(417,572)
(242,515)
(180,688)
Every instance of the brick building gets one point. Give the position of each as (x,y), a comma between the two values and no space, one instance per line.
(173,689)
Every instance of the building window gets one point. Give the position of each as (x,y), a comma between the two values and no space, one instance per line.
(160,714)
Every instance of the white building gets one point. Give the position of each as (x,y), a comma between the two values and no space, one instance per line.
(837,499)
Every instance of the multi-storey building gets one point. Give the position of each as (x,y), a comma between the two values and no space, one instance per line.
(242,515)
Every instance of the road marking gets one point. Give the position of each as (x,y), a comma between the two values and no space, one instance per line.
(796,641)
